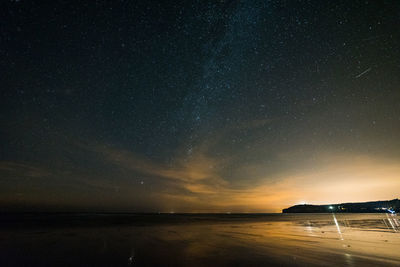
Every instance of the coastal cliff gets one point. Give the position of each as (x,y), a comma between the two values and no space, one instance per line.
(389,206)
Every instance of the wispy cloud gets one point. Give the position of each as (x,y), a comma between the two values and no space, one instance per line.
(202,181)
(198,182)
(18,169)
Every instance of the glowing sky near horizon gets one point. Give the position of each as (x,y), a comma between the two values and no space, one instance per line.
(203,106)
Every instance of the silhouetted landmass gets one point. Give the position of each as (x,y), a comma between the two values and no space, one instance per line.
(389,206)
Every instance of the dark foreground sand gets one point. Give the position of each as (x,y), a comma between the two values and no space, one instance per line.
(200,240)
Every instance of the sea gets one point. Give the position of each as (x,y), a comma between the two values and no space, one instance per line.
(125,239)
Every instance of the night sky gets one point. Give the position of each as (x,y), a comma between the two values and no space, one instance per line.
(198,106)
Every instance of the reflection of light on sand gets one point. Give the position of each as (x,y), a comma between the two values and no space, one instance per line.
(384,221)
(395,220)
(349,259)
(337,226)
(392,222)
(346,222)
(309,229)
(280,240)
(131,258)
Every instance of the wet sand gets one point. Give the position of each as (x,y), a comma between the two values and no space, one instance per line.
(201,240)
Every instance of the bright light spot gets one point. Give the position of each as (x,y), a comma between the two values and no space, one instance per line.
(337,227)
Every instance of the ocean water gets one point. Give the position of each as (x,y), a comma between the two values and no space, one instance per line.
(200,240)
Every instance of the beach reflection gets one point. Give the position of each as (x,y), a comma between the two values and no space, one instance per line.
(284,240)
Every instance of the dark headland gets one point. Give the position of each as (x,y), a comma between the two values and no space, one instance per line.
(389,206)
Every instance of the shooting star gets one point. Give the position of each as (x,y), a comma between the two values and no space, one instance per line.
(362,73)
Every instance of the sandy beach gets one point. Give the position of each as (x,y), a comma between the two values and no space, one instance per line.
(205,240)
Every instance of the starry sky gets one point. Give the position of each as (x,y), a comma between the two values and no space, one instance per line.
(198,106)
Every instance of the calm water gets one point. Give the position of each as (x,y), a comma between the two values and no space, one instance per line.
(202,240)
